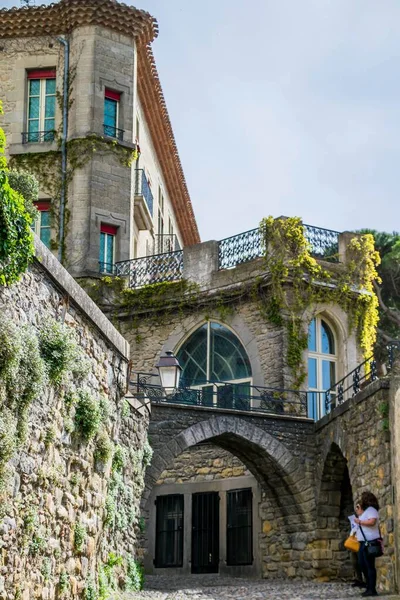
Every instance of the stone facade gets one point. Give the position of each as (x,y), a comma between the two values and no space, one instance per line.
(57,489)
(103,189)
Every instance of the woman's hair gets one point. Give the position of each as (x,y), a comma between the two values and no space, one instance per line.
(368,499)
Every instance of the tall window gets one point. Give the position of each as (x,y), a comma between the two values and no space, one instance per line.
(322,364)
(41,106)
(239,533)
(160,212)
(111,114)
(169,531)
(107,248)
(42,224)
(213,353)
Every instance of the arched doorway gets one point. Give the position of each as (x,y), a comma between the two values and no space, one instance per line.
(335,505)
(265,508)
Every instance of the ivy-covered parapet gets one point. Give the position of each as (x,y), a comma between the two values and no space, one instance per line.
(299,282)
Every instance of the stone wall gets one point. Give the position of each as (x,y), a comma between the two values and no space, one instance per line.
(63,509)
(353,443)
(203,463)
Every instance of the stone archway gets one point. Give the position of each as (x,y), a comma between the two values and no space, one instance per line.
(335,504)
(287,506)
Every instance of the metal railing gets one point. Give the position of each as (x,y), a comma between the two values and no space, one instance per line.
(247,246)
(151,269)
(359,378)
(165,242)
(225,395)
(36,137)
(142,188)
(107,268)
(114,132)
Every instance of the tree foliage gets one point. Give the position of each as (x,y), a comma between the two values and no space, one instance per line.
(16,236)
(388,291)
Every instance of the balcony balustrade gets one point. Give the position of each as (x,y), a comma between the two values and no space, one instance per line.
(114,132)
(143,201)
(36,137)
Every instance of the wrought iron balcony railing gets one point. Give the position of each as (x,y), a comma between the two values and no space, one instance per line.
(142,188)
(166,242)
(113,132)
(247,246)
(359,378)
(107,268)
(225,395)
(36,137)
(151,269)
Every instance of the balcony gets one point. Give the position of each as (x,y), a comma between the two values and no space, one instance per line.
(143,201)
(113,132)
(37,137)
(165,242)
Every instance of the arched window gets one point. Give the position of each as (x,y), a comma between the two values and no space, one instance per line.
(322,363)
(213,353)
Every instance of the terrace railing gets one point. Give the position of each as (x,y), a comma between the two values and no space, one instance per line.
(247,246)
(36,137)
(364,374)
(114,132)
(151,269)
(225,395)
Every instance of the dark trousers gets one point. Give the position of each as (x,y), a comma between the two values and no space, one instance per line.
(358,576)
(367,564)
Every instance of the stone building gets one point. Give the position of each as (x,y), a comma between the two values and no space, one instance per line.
(252,474)
(124,193)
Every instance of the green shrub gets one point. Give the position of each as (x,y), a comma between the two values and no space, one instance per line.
(90,592)
(134,575)
(110,510)
(10,349)
(38,544)
(79,537)
(119,459)
(104,447)
(147,453)
(59,349)
(27,185)
(87,415)
(49,436)
(8,429)
(63,583)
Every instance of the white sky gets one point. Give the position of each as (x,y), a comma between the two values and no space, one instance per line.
(283,107)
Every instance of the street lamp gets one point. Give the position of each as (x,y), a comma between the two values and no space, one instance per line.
(169,370)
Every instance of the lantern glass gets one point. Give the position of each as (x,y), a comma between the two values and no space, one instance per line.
(169,370)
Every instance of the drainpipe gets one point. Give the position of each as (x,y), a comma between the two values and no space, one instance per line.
(65,43)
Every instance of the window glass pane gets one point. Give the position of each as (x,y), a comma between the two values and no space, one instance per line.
(312,336)
(110,248)
(50,107)
(33,125)
(34,87)
(312,405)
(312,373)
(110,112)
(45,235)
(328,374)
(33,108)
(45,218)
(193,357)
(102,248)
(50,86)
(228,358)
(327,340)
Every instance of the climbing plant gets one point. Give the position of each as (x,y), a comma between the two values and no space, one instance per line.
(298,281)
(16,237)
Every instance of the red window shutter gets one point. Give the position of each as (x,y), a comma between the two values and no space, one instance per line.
(112,95)
(42,74)
(42,205)
(111,229)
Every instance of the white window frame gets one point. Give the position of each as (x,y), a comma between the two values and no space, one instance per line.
(320,356)
(42,103)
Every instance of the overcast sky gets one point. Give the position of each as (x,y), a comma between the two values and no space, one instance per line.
(283,107)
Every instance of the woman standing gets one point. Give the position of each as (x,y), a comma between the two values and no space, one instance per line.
(368,531)
(358,575)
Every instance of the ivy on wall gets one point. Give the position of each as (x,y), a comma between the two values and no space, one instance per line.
(16,237)
(299,282)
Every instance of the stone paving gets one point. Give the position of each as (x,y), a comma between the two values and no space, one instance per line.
(214,587)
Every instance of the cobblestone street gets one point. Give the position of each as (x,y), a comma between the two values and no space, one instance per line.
(213,587)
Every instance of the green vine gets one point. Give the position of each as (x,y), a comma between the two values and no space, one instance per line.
(298,281)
